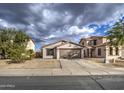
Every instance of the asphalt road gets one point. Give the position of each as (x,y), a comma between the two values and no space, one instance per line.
(62,83)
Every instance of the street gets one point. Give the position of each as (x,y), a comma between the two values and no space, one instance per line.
(115,82)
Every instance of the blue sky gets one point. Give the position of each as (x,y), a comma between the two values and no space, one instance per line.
(47,23)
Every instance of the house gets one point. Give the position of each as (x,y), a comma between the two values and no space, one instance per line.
(30,45)
(98,47)
(62,49)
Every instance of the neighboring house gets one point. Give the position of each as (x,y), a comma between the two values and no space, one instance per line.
(30,45)
(62,49)
(98,47)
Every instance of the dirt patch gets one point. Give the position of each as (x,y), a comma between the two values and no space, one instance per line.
(31,64)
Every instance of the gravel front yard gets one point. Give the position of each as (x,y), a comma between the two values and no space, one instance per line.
(31,64)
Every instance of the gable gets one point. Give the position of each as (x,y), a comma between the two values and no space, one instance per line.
(53,45)
(70,45)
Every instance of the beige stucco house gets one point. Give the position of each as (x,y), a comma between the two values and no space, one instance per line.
(98,47)
(30,45)
(62,49)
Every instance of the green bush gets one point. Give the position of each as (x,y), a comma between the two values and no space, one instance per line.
(13,44)
(30,54)
(17,54)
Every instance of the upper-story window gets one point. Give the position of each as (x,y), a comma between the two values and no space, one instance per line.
(89,43)
(94,42)
(82,43)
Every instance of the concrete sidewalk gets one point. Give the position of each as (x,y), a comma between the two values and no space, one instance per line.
(69,68)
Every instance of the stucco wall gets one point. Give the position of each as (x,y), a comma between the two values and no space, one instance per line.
(30,45)
(85,49)
(44,53)
(99,41)
(103,51)
(70,45)
(44,50)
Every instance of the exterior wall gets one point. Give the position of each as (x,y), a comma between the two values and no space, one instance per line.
(54,45)
(90,41)
(112,57)
(69,45)
(30,45)
(93,52)
(44,50)
(104,40)
(122,52)
(60,49)
(86,52)
(99,41)
(85,42)
(103,52)
(44,53)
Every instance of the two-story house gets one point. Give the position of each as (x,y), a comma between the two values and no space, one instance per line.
(98,47)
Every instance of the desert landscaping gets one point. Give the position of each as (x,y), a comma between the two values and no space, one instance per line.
(31,64)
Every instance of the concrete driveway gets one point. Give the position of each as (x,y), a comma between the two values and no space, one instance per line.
(88,67)
(82,67)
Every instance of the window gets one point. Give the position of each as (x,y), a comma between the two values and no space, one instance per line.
(90,43)
(94,42)
(82,43)
(99,51)
(116,51)
(50,52)
(111,51)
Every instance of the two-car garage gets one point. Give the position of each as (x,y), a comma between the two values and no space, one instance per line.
(63,50)
(70,53)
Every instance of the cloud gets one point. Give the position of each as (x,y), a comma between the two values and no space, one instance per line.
(50,36)
(76,30)
(51,22)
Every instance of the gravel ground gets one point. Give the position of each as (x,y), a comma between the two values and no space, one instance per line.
(31,64)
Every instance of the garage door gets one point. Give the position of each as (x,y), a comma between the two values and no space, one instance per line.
(70,53)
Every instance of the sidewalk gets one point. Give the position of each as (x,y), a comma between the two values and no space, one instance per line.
(69,68)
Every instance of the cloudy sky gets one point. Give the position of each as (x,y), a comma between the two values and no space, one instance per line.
(47,23)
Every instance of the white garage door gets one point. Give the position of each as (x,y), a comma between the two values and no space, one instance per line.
(70,53)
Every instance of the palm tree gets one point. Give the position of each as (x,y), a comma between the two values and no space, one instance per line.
(116,34)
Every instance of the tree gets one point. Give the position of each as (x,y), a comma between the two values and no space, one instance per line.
(116,34)
(17,53)
(6,35)
(13,44)
(30,54)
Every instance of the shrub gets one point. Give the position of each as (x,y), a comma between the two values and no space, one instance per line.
(30,54)
(17,54)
